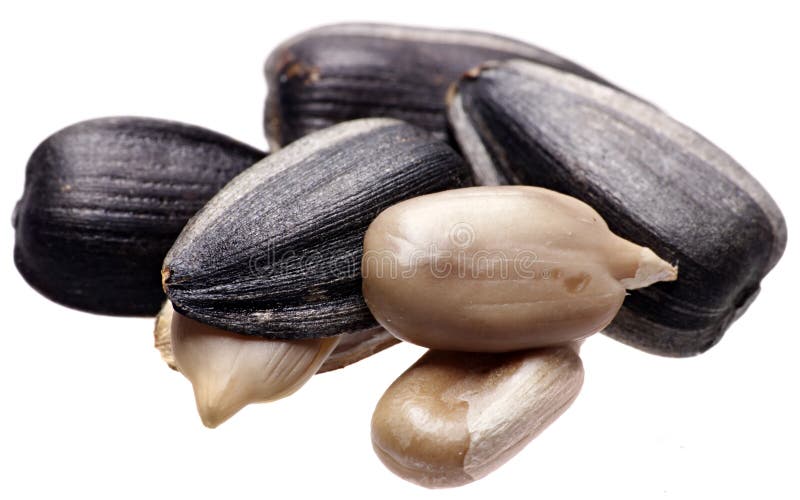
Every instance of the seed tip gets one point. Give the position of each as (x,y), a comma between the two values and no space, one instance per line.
(652,269)
(213,406)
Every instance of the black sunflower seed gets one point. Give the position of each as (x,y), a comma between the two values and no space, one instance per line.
(105,199)
(654,180)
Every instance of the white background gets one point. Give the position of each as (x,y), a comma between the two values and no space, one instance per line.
(87,409)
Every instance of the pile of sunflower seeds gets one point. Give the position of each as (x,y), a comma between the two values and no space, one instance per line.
(397,153)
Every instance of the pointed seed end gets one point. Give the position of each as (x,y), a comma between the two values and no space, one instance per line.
(652,269)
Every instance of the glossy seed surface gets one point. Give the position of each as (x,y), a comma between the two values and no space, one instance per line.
(454,417)
(492,269)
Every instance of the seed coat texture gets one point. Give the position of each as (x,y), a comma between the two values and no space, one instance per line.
(229,371)
(105,199)
(653,179)
(492,269)
(454,417)
(346,71)
(277,252)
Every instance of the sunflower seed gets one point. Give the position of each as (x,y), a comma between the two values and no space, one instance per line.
(230,371)
(351,348)
(494,269)
(654,180)
(277,252)
(347,71)
(105,199)
(454,417)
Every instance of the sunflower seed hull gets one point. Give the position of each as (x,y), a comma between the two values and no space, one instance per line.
(654,180)
(347,71)
(105,199)
(277,252)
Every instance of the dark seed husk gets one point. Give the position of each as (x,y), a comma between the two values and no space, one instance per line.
(277,252)
(347,71)
(105,199)
(654,180)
